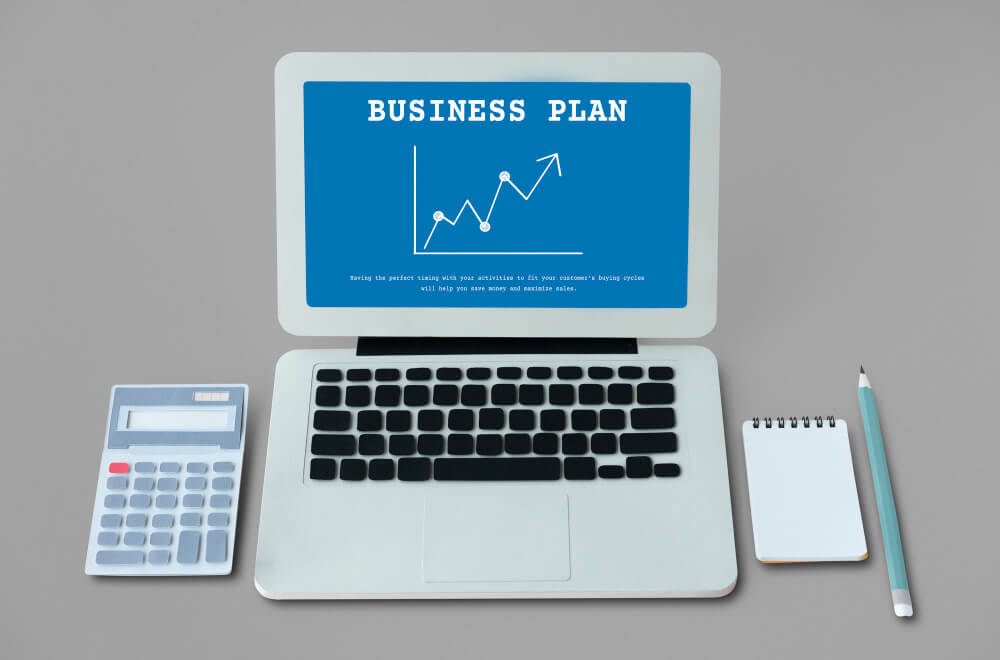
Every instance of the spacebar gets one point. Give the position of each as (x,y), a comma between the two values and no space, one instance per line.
(497,469)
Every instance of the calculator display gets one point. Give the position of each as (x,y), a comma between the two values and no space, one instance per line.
(178,419)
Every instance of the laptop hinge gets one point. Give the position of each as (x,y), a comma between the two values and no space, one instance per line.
(491,345)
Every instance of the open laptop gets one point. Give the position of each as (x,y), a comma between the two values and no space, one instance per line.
(445,208)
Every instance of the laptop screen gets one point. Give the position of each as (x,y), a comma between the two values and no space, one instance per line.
(497,194)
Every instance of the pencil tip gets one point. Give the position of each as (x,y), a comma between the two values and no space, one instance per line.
(862,368)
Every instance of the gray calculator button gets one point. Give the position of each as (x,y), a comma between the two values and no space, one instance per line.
(218,519)
(111,520)
(159,556)
(195,483)
(215,545)
(160,538)
(135,538)
(143,483)
(197,468)
(167,483)
(135,520)
(190,519)
(193,500)
(219,501)
(166,501)
(107,538)
(119,557)
(223,466)
(187,547)
(117,483)
(163,521)
(114,501)
(222,483)
(145,467)
(170,467)
(138,501)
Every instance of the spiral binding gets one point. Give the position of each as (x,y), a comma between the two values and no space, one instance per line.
(793,422)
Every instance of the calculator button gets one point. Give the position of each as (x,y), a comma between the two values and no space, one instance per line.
(223,466)
(188,545)
(163,521)
(119,557)
(111,520)
(160,538)
(118,468)
(218,519)
(135,520)
(215,546)
(143,483)
(222,483)
(219,501)
(114,501)
(117,483)
(193,500)
(190,519)
(140,501)
(167,483)
(166,501)
(135,538)
(197,468)
(195,483)
(159,557)
(107,538)
(170,467)
(145,467)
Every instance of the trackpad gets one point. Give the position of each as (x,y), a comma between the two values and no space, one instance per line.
(473,538)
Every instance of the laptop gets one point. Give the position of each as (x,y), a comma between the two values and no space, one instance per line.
(498,230)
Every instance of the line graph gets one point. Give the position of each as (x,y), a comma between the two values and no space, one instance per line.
(484,222)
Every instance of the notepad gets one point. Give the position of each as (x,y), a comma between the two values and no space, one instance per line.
(803,496)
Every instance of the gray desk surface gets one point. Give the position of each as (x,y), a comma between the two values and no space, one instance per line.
(859,188)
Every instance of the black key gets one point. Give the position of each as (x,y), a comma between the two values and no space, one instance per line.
(612,419)
(449,373)
(322,468)
(332,420)
(430,420)
(333,445)
(352,469)
(445,395)
(418,373)
(329,375)
(630,373)
(461,419)
(489,444)
(562,395)
(521,420)
(620,394)
(497,469)
(402,445)
(397,421)
(636,467)
(371,444)
(430,444)
(546,443)
(603,443)
(570,373)
(531,395)
(552,420)
(386,374)
(653,418)
(654,393)
(574,443)
(580,468)
(474,395)
(591,394)
(416,395)
(413,469)
(461,444)
(370,420)
(600,373)
(667,469)
(538,373)
(381,469)
(491,418)
(584,420)
(517,443)
(387,395)
(357,375)
(611,472)
(478,373)
(661,373)
(328,395)
(509,373)
(504,394)
(648,443)
(358,396)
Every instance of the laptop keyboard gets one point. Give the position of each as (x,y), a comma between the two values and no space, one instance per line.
(508,423)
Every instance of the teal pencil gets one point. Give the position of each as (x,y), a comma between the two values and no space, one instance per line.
(891,540)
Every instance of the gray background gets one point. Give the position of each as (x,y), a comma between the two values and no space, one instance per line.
(858,223)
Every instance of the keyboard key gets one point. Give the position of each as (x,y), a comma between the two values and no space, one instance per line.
(489,444)
(449,373)
(118,468)
(119,557)
(195,483)
(414,469)
(329,375)
(654,393)
(611,472)
(167,483)
(117,483)
(402,445)
(667,470)
(381,469)
(497,469)
(225,483)
(630,373)
(603,443)
(416,395)
(220,518)
(517,443)
(473,395)
(430,420)
(562,395)
(521,420)
(418,373)
(461,419)
(135,520)
(224,501)
(552,420)
(159,557)
(328,395)
(134,538)
(508,373)
(197,468)
(546,443)
(460,444)
(574,443)
(398,420)
(140,501)
(107,539)
(193,501)
(223,467)
(491,418)
(188,546)
(580,468)
(170,468)
(638,467)
(584,420)
(600,373)
(531,395)
(370,420)
(620,394)
(612,419)
(653,418)
(215,546)
(161,538)
(387,395)
(111,521)
(648,443)
(352,469)
(661,373)
(163,521)
(322,468)
(333,445)
(569,373)
(143,483)
(539,373)
(591,394)
(478,373)
(332,420)
(166,501)
(386,374)
(358,396)
(430,444)
(145,467)
(114,501)
(445,395)
(371,444)
(190,519)
(359,375)
(504,394)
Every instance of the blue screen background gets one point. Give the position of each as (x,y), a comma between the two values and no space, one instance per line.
(621,201)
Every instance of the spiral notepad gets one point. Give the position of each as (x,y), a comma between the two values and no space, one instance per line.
(803,496)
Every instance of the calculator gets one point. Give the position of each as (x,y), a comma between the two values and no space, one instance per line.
(169,481)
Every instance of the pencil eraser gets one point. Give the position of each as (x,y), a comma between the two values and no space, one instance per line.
(902,609)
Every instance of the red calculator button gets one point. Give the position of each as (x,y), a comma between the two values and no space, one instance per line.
(118,468)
